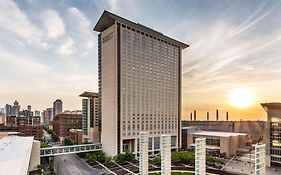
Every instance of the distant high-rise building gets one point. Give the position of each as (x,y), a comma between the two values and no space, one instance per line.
(90,117)
(50,114)
(57,107)
(139,84)
(8,110)
(37,113)
(47,116)
(26,113)
(2,110)
(15,109)
(29,107)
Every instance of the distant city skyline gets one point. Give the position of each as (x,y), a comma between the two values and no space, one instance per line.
(48,51)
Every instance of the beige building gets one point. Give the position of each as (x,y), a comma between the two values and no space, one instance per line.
(139,84)
(90,117)
(227,143)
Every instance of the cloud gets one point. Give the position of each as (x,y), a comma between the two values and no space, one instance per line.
(14,21)
(67,47)
(80,24)
(21,65)
(53,23)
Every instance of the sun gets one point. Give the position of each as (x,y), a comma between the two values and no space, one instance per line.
(241,97)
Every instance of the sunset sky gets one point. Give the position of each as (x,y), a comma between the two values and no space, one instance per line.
(48,50)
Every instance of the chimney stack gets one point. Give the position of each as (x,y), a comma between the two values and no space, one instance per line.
(208,116)
(217,115)
(226,116)
(191,116)
(195,115)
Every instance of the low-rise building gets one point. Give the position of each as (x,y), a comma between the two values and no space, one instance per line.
(76,136)
(255,129)
(226,143)
(22,152)
(24,130)
(65,121)
(22,120)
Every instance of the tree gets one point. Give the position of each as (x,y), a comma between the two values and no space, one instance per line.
(67,141)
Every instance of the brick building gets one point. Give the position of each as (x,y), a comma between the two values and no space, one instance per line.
(33,120)
(65,121)
(24,130)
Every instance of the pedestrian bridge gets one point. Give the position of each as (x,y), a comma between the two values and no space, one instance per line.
(54,151)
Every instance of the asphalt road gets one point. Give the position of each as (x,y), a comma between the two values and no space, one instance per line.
(71,164)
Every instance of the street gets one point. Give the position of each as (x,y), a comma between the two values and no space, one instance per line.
(72,165)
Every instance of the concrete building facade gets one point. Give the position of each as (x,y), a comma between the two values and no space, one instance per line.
(200,156)
(139,84)
(143,153)
(255,129)
(165,150)
(260,159)
(226,143)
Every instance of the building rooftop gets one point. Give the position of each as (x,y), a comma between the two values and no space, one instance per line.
(77,112)
(107,19)
(273,105)
(15,153)
(89,94)
(218,134)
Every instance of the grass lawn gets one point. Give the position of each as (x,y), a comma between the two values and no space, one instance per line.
(173,173)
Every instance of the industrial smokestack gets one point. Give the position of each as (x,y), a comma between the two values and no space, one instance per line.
(191,116)
(217,115)
(194,115)
(208,116)
(226,116)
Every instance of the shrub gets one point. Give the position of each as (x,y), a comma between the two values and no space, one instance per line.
(108,161)
(122,157)
(156,160)
(44,145)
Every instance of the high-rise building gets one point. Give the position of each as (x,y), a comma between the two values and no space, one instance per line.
(29,107)
(47,116)
(57,107)
(139,84)
(37,113)
(2,110)
(15,109)
(273,138)
(8,110)
(90,117)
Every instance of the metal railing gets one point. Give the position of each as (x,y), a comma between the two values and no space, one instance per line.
(53,151)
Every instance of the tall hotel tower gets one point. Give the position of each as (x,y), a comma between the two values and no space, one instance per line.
(139,84)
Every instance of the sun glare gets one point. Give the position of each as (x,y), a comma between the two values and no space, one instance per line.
(241,98)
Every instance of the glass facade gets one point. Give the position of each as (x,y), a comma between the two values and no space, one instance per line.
(85,116)
(275,139)
(210,140)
